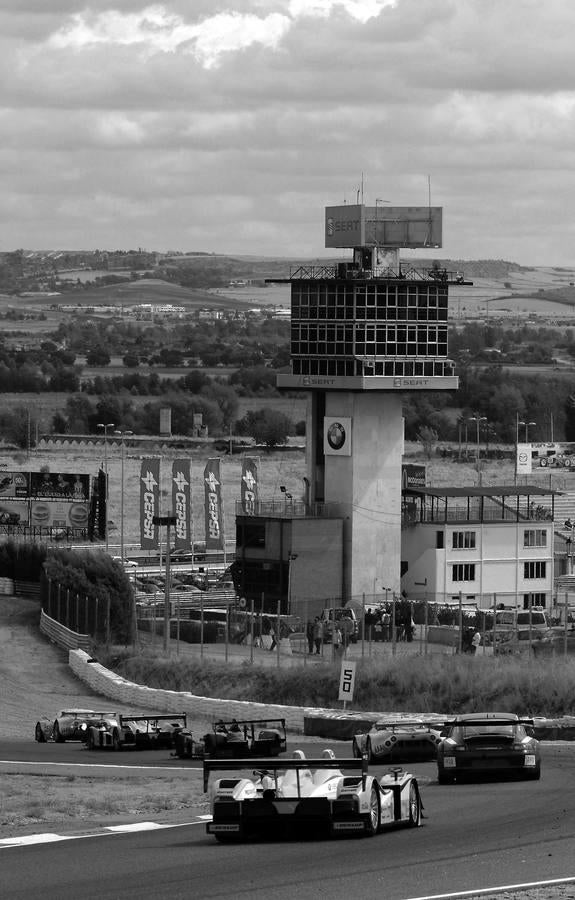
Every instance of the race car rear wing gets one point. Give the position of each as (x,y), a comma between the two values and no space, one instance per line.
(168,717)
(283,765)
(449,723)
(406,723)
(250,723)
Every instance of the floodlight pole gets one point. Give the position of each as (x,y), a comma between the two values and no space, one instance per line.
(167,521)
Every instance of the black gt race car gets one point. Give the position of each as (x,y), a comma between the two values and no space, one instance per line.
(148,732)
(235,740)
(398,740)
(69,725)
(488,744)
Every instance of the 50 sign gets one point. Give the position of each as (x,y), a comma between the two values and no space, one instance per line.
(346,681)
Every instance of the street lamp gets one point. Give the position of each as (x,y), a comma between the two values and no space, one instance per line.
(105,427)
(527,424)
(570,526)
(122,435)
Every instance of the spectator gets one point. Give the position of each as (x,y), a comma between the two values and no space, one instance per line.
(317,635)
(346,631)
(385,625)
(475,642)
(309,635)
(337,639)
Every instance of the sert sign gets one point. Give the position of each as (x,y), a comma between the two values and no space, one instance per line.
(356,225)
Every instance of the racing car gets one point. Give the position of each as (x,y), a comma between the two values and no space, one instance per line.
(487,744)
(390,741)
(149,732)
(69,725)
(316,795)
(235,740)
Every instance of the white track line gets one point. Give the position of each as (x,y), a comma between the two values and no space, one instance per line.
(478,892)
(28,840)
(15,762)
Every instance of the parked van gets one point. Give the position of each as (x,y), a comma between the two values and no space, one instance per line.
(521,621)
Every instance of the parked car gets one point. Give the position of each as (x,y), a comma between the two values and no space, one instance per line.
(309,796)
(69,725)
(341,613)
(488,744)
(148,732)
(398,741)
(235,740)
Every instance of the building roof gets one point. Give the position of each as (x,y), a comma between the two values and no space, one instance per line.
(492,490)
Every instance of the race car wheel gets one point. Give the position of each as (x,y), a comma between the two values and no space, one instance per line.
(368,750)
(116,745)
(58,737)
(414,806)
(373,820)
(39,734)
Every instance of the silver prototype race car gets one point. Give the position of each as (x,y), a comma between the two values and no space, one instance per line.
(398,740)
(69,725)
(334,796)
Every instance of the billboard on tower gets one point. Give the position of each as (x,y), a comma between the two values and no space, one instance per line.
(414,227)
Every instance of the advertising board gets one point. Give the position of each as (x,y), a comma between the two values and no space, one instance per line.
(58,514)
(56,485)
(356,225)
(14,512)
(14,484)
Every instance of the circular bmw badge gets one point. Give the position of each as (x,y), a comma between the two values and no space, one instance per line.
(336,435)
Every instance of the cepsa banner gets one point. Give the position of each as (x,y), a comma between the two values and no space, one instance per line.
(182,503)
(213,506)
(149,503)
(249,486)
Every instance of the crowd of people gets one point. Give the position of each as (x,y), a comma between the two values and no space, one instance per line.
(379,623)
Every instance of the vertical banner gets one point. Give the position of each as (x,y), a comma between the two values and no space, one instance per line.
(523,462)
(182,503)
(249,487)
(149,503)
(213,506)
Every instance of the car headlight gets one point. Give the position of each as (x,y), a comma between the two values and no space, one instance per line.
(83,727)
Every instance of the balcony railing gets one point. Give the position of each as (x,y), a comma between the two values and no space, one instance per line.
(288,509)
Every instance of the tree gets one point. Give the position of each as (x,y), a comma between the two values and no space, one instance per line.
(427,437)
(266,426)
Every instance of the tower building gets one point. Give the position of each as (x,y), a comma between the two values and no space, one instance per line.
(364,332)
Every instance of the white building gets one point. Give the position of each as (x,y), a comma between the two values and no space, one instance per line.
(490,545)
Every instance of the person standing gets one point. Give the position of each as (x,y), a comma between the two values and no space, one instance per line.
(475,642)
(309,635)
(317,635)
(336,639)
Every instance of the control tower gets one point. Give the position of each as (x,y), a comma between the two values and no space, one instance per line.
(365,332)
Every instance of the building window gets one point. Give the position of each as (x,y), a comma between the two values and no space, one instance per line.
(535,570)
(537,599)
(463,572)
(535,537)
(463,540)
(439,540)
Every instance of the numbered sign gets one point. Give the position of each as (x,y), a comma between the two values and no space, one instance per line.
(347,680)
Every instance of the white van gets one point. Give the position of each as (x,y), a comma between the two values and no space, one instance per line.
(522,621)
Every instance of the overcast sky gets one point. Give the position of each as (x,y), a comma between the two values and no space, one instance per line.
(228,125)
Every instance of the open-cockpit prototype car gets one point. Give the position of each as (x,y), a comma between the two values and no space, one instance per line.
(69,725)
(488,744)
(393,741)
(236,740)
(327,795)
(149,732)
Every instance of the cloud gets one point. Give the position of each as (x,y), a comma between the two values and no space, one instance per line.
(225,122)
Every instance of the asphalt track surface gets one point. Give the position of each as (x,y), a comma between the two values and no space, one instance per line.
(476,836)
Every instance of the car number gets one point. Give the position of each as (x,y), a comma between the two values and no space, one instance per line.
(449,762)
(530,759)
